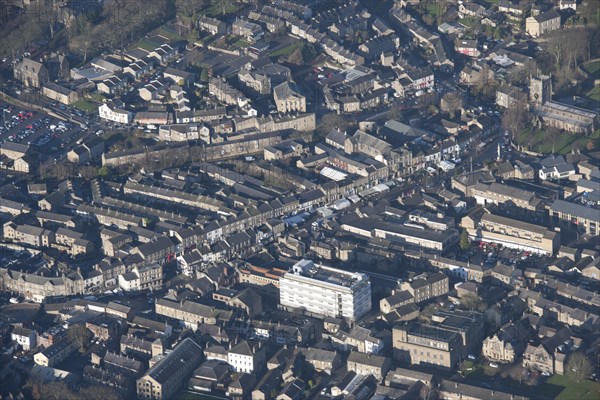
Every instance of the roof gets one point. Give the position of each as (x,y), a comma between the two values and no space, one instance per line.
(576,210)
(182,354)
(547,16)
(367,359)
(243,348)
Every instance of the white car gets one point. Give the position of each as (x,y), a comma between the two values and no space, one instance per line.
(493,365)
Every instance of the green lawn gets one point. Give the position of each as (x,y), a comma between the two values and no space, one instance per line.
(86,105)
(287,50)
(571,390)
(594,94)
(221,8)
(434,9)
(592,67)
(467,21)
(145,44)
(541,141)
(241,43)
(197,396)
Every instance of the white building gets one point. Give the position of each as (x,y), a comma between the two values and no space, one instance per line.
(129,281)
(325,291)
(246,357)
(25,337)
(115,114)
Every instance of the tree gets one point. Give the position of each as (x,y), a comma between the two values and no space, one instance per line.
(590,145)
(82,45)
(309,52)
(204,75)
(79,334)
(332,121)
(464,240)
(516,118)
(472,302)
(295,57)
(578,366)
(50,13)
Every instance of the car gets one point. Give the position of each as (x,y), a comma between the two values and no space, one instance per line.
(546,373)
(493,365)
(470,356)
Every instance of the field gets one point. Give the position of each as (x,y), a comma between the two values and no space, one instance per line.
(287,50)
(434,9)
(541,141)
(86,105)
(223,8)
(562,387)
(592,68)
(594,94)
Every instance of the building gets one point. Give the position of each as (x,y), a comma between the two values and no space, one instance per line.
(427,286)
(501,194)
(417,343)
(212,25)
(566,117)
(37,288)
(28,234)
(191,313)
(55,354)
(555,167)
(368,364)
(247,29)
(507,345)
(325,291)
(542,23)
(165,378)
(509,95)
(288,98)
(31,73)
(112,113)
(358,339)
(467,47)
(510,233)
(247,357)
(59,93)
(26,338)
(576,216)
(548,355)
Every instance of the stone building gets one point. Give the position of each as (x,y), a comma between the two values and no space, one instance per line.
(288,98)
(31,73)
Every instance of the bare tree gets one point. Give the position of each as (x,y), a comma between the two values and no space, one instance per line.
(515,118)
(50,14)
(578,366)
(79,334)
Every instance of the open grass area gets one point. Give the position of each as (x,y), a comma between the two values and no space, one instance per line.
(541,141)
(434,9)
(221,8)
(86,105)
(145,44)
(592,68)
(168,32)
(468,21)
(563,387)
(197,396)
(594,94)
(287,50)
(241,43)
(96,97)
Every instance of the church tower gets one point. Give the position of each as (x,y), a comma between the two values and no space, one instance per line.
(540,89)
